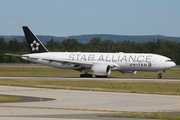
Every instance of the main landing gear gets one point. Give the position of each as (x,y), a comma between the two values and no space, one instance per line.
(90,76)
(98,76)
(160,74)
(86,75)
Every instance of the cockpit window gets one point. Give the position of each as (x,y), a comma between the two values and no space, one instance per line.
(168,60)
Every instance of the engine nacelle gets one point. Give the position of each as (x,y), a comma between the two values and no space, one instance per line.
(129,72)
(101,69)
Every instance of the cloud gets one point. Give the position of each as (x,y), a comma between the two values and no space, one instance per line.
(13,22)
(145,14)
(163,15)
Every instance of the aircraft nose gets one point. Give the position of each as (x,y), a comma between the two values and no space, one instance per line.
(173,64)
(170,64)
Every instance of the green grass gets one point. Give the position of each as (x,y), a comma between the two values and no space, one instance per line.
(100,85)
(49,71)
(35,71)
(171,88)
(169,116)
(9,99)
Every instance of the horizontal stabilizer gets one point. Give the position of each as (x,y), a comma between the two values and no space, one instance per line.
(16,55)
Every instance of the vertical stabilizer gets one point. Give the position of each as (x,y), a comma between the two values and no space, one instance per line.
(34,44)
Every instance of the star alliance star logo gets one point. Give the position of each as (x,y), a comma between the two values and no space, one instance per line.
(35,45)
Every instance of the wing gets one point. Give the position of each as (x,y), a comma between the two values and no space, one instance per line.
(75,62)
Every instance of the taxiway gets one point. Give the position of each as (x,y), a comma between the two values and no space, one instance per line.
(78,78)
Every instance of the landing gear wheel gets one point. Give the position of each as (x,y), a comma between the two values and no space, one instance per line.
(86,75)
(98,76)
(159,76)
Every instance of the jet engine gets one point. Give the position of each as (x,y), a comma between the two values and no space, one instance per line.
(101,70)
(129,72)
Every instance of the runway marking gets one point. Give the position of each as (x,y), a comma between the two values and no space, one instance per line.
(51,108)
(58,99)
(175,100)
(92,110)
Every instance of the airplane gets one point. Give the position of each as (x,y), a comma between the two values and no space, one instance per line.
(101,64)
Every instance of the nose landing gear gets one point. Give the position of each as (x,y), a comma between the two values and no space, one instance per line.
(160,74)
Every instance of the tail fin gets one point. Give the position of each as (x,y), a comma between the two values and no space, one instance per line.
(34,44)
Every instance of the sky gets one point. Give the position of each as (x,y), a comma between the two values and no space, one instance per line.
(78,17)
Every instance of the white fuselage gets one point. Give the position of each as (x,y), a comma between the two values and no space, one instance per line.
(118,61)
(101,64)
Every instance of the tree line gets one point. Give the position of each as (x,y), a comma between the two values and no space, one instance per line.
(163,47)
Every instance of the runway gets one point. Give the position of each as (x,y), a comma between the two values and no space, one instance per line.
(84,105)
(78,78)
